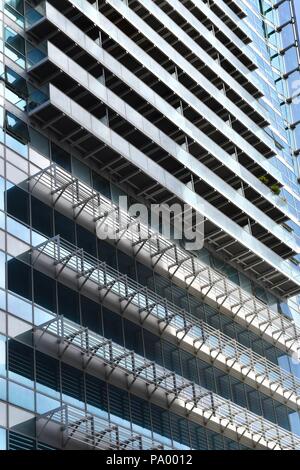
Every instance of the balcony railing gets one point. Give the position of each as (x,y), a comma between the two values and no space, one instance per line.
(222,234)
(175,323)
(198,403)
(93,432)
(183,267)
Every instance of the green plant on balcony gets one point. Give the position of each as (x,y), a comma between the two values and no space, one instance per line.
(264,179)
(275,189)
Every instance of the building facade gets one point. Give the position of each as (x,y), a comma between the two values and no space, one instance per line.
(137,341)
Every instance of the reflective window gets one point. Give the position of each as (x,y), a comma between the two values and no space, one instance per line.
(45,404)
(18,230)
(3,366)
(15,47)
(133,337)
(19,307)
(2,269)
(119,404)
(3,444)
(21,396)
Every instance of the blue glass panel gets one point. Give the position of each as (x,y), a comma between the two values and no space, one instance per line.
(21,396)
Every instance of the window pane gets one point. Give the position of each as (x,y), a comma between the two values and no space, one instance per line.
(20,362)
(86,240)
(68,303)
(2,439)
(91,315)
(102,185)
(21,396)
(81,170)
(19,278)
(61,157)
(18,204)
(44,291)
(42,217)
(112,324)
(64,227)
(47,374)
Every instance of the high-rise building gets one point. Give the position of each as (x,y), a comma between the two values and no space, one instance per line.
(115,332)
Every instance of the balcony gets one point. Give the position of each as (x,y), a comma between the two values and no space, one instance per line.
(235,7)
(136,302)
(58,188)
(152,382)
(236,25)
(258,150)
(61,70)
(121,159)
(91,56)
(202,43)
(68,428)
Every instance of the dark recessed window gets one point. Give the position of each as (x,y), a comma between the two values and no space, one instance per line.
(133,337)
(107,253)
(102,185)
(112,324)
(17,128)
(140,412)
(41,217)
(68,303)
(72,382)
(86,240)
(19,278)
(64,227)
(47,371)
(119,402)
(18,204)
(161,421)
(44,291)
(126,265)
(61,157)
(20,359)
(96,392)
(91,315)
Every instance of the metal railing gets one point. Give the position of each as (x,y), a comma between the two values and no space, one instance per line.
(180,265)
(192,397)
(95,432)
(187,329)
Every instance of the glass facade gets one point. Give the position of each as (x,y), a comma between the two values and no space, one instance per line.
(137,342)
